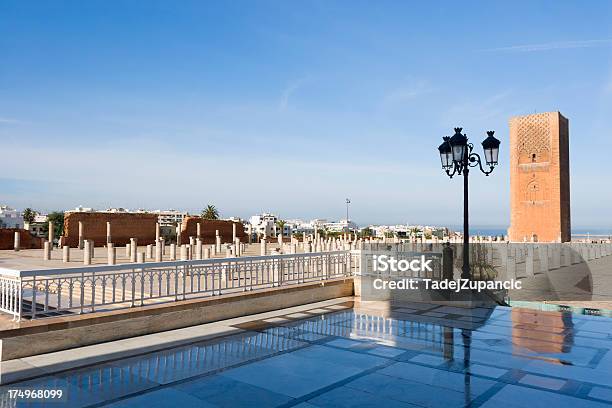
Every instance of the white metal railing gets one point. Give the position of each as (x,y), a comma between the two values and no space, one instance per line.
(52,292)
(48,292)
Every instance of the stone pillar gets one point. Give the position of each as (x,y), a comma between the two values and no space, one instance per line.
(111,257)
(556,256)
(66,253)
(198,248)
(157,232)
(17,241)
(280,239)
(109,238)
(566,261)
(178,234)
(127,251)
(206,253)
(47,251)
(81,235)
(213,250)
(543,249)
(92,248)
(51,233)
(87,252)
(149,253)
(218,241)
(238,246)
(250,233)
(529,262)
(133,249)
(228,251)
(198,230)
(140,257)
(511,264)
(184,252)
(159,250)
(173,252)
(233,231)
(262,245)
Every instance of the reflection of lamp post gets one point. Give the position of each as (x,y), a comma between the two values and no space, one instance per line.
(457,158)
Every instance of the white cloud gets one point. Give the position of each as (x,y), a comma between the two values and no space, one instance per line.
(9,120)
(408,91)
(289,91)
(560,45)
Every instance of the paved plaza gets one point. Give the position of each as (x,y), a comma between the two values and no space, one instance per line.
(362,354)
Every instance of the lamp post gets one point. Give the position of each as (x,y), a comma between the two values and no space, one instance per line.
(457,157)
(348,228)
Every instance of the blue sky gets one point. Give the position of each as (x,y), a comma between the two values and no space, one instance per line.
(292,106)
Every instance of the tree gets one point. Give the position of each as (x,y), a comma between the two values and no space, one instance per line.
(281,226)
(367,232)
(57,218)
(29,215)
(210,213)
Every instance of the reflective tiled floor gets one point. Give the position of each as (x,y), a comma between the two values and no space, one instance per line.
(367,355)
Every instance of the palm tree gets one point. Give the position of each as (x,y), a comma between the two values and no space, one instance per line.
(29,215)
(210,213)
(281,226)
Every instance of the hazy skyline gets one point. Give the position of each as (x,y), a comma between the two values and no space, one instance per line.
(292,107)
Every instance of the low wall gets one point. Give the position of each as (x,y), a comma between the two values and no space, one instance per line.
(123,227)
(208,228)
(26,239)
(54,334)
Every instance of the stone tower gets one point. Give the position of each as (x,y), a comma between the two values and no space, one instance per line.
(539,178)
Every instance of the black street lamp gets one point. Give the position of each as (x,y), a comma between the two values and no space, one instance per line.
(457,157)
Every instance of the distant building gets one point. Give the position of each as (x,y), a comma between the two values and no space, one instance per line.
(539,178)
(168,218)
(265,225)
(10,218)
(80,208)
(39,226)
(340,226)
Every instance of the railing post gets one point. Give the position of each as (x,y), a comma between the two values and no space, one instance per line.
(133,286)
(33,297)
(20,300)
(93,290)
(142,278)
(349,264)
(176,272)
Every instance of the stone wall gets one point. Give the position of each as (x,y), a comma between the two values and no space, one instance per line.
(27,240)
(208,229)
(123,227)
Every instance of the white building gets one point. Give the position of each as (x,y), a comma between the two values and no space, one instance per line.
(10,218)
(340,226)
(39,226)
(297,226)
(406,231)
(265,225)
(167,218)
(80,208)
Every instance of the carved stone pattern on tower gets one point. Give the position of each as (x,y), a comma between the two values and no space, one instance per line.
(534,134)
